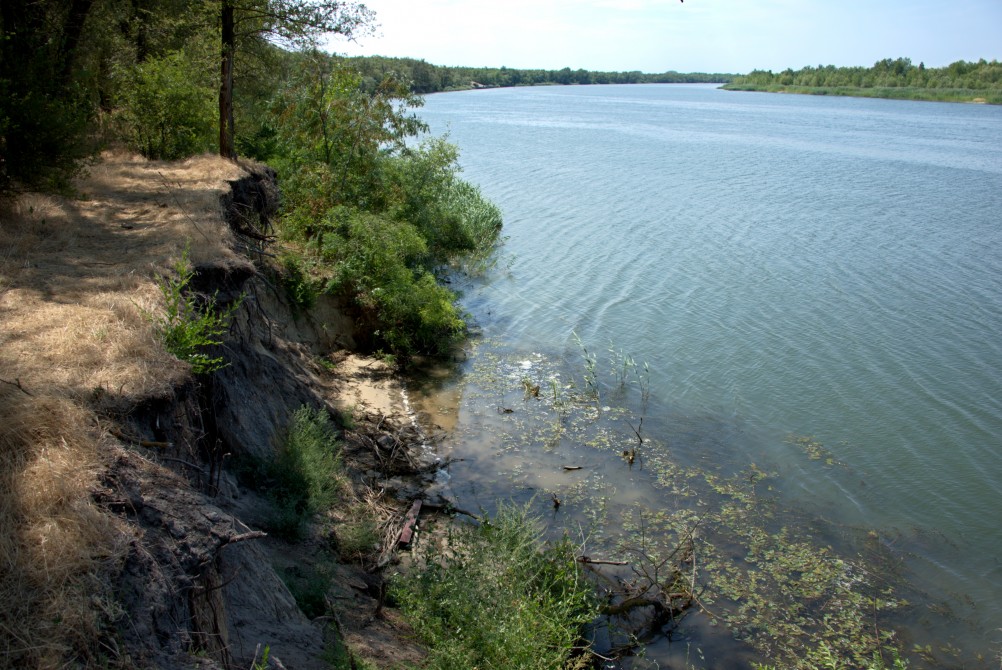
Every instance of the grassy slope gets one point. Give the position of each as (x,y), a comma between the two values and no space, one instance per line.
(75,277)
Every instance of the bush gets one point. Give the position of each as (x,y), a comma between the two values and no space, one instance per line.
(451,214)
(500,598)
(378,217)
(190,324)
(308,475)
(374,261)
(167,107)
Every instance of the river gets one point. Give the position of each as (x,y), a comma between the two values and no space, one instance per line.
(812,285)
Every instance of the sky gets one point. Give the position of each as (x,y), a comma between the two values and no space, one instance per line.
(734,36)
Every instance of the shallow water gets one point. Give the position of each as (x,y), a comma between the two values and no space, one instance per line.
(786,266)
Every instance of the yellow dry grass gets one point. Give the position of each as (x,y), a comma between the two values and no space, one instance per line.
(76,276)
(57,547)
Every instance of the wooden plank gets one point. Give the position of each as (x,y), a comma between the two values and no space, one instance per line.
(407,532)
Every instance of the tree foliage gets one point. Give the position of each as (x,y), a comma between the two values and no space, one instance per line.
(889,78)
(166,106)
(424,77)
(295,23)
(376,214)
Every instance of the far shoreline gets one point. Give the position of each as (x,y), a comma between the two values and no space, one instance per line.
(971,97)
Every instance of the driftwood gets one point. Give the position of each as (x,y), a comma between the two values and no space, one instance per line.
(407,532)
(591,561)
(16,383)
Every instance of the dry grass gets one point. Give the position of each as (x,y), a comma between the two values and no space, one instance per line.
(75,278)
(57,547)
(76,275)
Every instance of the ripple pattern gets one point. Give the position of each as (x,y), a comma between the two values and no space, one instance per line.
(818,266)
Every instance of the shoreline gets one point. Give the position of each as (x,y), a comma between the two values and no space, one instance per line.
(882,93)
(120,481)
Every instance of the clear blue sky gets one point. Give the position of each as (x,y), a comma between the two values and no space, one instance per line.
(694,36)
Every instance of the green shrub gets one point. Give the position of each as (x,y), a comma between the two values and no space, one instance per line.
(299,287)
(190,324)
(306,477)
(374,261)
(450,213)
(167,107)
(501,598)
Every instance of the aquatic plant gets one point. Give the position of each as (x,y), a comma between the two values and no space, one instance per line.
(751,564)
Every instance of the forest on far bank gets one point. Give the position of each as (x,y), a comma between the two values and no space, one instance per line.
(898,78)
(428,78)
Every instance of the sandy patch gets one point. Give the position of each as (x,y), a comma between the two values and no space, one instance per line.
(370,387)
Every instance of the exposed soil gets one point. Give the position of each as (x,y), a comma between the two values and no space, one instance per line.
(161,553)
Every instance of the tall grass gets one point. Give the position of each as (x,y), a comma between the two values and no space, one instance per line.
(499,598)
(306,477)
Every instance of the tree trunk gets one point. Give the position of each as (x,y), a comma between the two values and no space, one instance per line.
(72,31)
(141,17)
(226,146)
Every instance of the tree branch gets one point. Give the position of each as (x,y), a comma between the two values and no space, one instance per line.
(17,383)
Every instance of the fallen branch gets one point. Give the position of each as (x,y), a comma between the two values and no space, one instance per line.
(17,383)
(250,535)
(592,561)
(142,443)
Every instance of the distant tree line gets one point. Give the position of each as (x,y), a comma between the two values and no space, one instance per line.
(960,80)
(428,78)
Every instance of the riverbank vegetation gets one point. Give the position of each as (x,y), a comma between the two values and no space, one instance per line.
(494,595)
(899,79)
(373,214)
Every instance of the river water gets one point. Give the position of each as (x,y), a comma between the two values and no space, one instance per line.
(814,284)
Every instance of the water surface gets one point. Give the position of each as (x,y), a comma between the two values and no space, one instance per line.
(787,266)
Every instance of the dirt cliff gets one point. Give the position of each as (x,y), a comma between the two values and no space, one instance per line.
(127,540)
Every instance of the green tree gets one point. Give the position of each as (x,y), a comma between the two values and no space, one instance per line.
(166,106)
(293,23)
(43,108)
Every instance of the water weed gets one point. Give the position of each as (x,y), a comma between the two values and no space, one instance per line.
(758,569)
